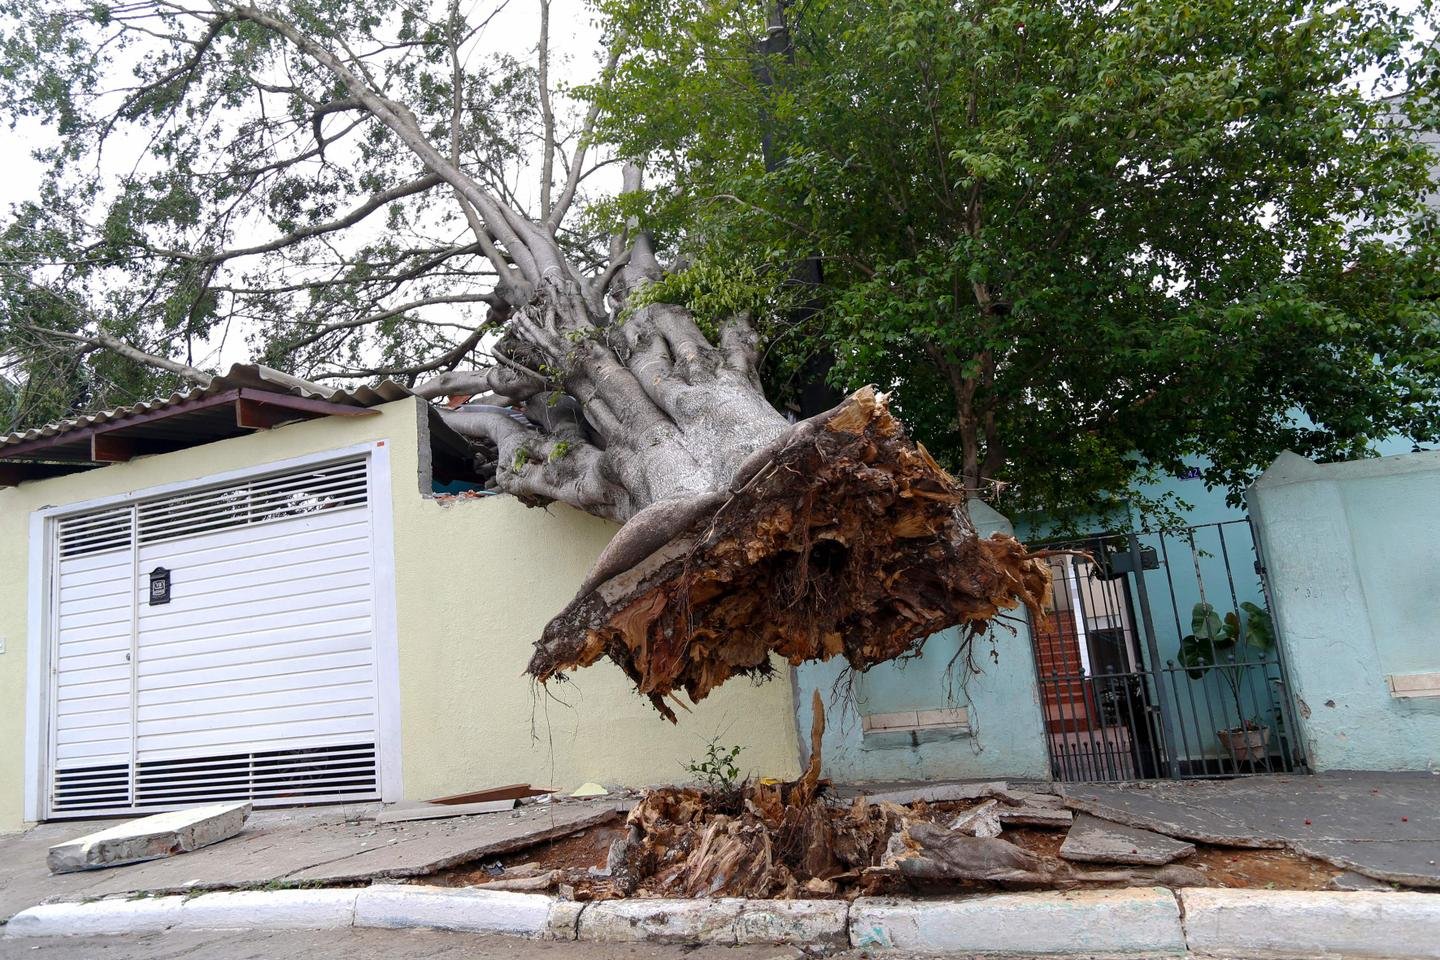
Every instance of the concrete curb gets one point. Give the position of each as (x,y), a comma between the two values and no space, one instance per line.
(1145,921)
(1293,923)
(1139,921)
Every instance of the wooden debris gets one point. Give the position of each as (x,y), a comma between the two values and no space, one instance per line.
(927,851)
(843,539)
(403,813)
(513,791)
(540,882)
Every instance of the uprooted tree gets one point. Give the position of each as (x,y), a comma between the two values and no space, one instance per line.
(341,183)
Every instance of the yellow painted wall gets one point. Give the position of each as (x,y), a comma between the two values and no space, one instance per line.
(475,582)
(478,581)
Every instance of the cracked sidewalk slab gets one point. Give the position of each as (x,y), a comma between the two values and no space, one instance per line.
(278,847)
(1382,825)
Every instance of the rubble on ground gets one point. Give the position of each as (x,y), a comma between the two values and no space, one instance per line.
(1092,840)
(764,839)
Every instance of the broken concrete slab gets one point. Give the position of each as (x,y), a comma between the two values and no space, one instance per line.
(1024,798)
(404,813)
(469,838)
(149,838)
(276,846)
(1028,816)
(935,792)
(1412,863)
(1383,825)
(1092,840)
(1350,880)
(513,791)
(980,821)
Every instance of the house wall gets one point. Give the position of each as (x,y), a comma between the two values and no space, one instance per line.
(1007,727)
(1352,550)
(476,580)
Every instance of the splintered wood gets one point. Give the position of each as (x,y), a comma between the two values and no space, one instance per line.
(786,840)
(847,540)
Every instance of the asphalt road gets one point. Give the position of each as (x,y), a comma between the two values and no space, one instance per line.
(386,945)
(358,945)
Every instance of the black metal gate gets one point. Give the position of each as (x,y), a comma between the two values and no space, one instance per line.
(1158,659)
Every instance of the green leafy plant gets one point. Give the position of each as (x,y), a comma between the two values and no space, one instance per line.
(1229,646)
(1038,223)
(717,769)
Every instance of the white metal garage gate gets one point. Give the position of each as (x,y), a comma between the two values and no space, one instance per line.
(216,644)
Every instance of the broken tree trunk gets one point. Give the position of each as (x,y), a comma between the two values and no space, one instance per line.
(840,538)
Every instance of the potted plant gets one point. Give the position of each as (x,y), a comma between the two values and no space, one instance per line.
(1221,645)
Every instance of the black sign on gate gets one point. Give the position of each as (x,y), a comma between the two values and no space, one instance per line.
(159,586)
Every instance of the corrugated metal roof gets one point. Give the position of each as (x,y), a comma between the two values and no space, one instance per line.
(241,375)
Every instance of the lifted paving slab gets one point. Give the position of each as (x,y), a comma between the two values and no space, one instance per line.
(319,844)
(1382,825)
(149,838)
(1092,840)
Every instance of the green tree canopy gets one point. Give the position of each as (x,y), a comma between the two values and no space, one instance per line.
(1081,241)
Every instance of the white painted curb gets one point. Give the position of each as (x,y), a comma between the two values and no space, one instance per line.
(402,906)
(95,919)
(269,910)
(725,921)
(1294,923)
(1136,921)
(242,910)
(661,921)
(1142,922)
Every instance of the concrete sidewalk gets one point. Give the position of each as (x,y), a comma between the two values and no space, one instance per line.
(321,845)
(1382,825)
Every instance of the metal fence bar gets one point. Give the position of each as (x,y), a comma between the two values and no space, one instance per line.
(1114,710)
(1167,736)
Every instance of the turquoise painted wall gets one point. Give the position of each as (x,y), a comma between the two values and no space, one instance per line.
(1353,551)
(1006,737)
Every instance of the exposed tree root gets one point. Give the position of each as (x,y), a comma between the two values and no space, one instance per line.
(842,538)
(789,840)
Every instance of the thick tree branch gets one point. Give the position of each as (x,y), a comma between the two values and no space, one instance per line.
(377,201)
(104,340)
(500,220)
(577,162)
(547,113)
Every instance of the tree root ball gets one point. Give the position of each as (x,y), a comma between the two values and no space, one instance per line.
(844,538)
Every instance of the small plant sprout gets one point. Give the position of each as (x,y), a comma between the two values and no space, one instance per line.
(717,769)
